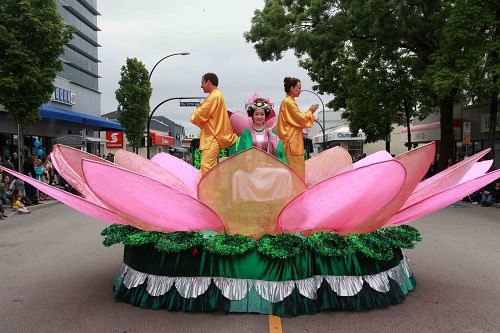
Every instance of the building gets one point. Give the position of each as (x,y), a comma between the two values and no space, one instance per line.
(166,136)
(73,116)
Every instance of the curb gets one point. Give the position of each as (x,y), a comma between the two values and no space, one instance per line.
(10,212)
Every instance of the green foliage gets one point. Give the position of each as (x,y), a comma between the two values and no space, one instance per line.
(133,95)
(330,244)
(382,58)
(32,35)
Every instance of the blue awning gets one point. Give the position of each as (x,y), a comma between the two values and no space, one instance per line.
(49,111)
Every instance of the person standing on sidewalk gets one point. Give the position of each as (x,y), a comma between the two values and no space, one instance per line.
(291,121)
(212,118)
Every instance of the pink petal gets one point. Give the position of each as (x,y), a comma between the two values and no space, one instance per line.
(477,170)
(248,190)
(327,164)
(180,169)
(240,121)
(145,167)
(416,163)
(145,199)
(67,161)
(380,156)
(443,180)
(73,201)
(442,199)
(345,201)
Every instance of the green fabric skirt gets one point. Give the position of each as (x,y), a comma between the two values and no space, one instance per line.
(203,282)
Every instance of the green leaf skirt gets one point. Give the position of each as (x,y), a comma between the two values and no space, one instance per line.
(199,280)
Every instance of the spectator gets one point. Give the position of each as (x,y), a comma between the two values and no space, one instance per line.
(29,170)
(450,162)
(15,161)
(2,212)
(488,195)
(7,163)
(5,192)
(17,204)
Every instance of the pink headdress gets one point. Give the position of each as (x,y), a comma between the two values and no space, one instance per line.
(255,96)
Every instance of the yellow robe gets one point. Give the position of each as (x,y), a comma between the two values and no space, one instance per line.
(291,121)
(216,131)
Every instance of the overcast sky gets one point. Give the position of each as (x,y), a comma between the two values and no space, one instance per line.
(212,32)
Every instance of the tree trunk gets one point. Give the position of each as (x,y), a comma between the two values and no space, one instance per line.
(447,148)
(20,146)
(407,116)
(493,118)
(494,94)
(388,139)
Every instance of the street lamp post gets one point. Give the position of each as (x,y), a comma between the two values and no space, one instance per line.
(146,144)
(323,110)
(170,55)
(153,112)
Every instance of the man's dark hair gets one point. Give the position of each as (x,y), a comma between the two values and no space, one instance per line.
(212,78)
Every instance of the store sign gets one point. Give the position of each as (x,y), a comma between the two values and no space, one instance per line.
(162,140)
(64,96)
(345,136)
(189,104)
(115,139)
(485,123)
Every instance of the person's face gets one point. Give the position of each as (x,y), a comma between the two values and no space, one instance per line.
(259,117)
(14,155)
(295,91)
(205,85)
(6,179)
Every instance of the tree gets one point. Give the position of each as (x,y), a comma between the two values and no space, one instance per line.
(339,37)
(32,35)
(133,95)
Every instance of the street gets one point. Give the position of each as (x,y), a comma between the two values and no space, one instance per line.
(56,276)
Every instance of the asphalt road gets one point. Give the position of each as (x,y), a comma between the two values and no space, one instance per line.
(56,276)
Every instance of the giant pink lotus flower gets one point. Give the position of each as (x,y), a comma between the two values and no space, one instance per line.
(253,193)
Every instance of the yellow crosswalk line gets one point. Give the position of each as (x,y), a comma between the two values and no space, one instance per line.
(275,324)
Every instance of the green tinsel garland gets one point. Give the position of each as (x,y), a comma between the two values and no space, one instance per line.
(178,241)
(229,245)
(283,246)
(117,233)
(372,246)
(378,245)
(330,244)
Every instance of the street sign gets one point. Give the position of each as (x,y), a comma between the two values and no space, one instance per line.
(189,103)
(466,136)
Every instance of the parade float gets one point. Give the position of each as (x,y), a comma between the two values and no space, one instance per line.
(252,236)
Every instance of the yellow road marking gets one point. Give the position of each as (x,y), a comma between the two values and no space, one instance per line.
(275,324)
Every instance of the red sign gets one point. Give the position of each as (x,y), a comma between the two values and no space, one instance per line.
(115,139)
(162,139)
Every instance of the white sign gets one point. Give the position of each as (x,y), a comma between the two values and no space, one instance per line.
(485,123)
(63,96)
(466,127)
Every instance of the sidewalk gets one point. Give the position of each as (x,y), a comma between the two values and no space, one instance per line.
(47,203)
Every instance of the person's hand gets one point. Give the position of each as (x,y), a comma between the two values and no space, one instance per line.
(270,130)
(313,108)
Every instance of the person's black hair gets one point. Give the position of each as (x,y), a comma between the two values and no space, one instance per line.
(290,82)
(259,103)
(212,78)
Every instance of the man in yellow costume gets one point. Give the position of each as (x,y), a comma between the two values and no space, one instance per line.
(212,118)
(291,121)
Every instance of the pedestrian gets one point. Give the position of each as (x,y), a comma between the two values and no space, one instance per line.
(291,121)
(212,118)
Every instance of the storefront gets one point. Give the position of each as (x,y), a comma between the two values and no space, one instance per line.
(341,136)
(56,126)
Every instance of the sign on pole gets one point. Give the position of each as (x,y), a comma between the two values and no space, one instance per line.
(189,103)
(466,134)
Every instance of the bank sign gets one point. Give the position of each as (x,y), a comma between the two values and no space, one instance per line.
(114,139)
(64,96)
